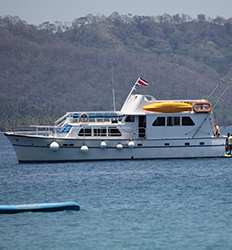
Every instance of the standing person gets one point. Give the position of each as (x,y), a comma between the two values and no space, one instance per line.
(227,143)
(230,143)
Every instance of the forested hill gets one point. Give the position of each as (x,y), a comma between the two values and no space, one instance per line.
(52,68)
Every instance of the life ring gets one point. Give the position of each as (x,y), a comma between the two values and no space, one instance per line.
(202,107)
(84,117)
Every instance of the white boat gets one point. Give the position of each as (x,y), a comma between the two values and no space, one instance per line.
(144,128)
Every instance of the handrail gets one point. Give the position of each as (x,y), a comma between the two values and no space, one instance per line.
(62,118)
(90,115)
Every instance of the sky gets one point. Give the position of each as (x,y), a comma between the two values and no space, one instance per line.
(38,11)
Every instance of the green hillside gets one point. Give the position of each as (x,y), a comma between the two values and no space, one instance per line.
(52,68)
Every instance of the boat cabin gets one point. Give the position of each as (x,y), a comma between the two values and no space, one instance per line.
(142,117)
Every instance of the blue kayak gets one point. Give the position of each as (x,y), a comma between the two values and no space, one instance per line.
(39,207)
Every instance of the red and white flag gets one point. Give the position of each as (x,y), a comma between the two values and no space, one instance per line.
(142,82)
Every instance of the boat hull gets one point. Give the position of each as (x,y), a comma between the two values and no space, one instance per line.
(36,149)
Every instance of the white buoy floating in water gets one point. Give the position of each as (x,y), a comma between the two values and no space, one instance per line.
(119,146)
(84,149)
(54,146)
(131,144)
(103,144)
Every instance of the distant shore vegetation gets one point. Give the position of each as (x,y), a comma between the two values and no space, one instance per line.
(52,68)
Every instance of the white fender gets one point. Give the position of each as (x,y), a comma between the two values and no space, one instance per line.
(84,148)
(103,144)
(119,146)
(131,144)
(54,146)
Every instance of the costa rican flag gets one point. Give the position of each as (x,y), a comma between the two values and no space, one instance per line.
(142,82)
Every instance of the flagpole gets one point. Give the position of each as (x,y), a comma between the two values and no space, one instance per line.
(132,90)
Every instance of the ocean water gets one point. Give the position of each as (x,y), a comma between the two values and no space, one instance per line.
(159,204)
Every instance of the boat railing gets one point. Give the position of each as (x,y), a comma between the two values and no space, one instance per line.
(36,130)
(63,118)
(89,117)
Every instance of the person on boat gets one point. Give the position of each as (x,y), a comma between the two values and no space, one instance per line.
(217,131)
(229,143)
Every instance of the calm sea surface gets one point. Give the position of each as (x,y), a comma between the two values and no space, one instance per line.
(159,204)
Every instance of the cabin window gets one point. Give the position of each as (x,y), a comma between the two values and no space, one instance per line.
(160,121)
(64,129)
(173,121)
(187,121)
(96,132)
(114,120)
(85,132)
(113,132)
(130,118)
(103,131)
(99,132)
(176,121)
(75,116)
(169,121)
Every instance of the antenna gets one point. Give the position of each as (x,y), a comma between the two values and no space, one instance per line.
(212,92)
(219,98)
(222,94)
(113,94)
(112,84)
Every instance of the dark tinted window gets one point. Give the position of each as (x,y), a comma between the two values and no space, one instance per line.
(114,132)
(130,118)
(103,131)
(81,132)
(96,132)
(173,121)
(114,120)
(187,121)
(99,132)
(65,129)
(176,121)
(169,121)
(160,121)
(85,132)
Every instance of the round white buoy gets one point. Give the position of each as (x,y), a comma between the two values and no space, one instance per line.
(131,144)
(119,146)
(84,148)
(54,146)
(103,144)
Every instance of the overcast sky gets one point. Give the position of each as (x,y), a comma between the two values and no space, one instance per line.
(38,11)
